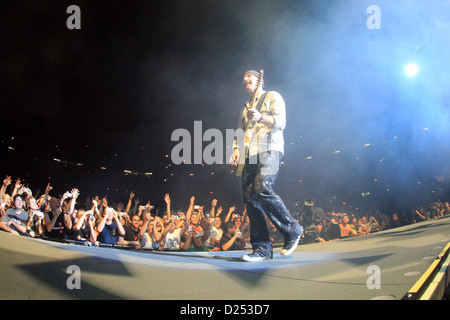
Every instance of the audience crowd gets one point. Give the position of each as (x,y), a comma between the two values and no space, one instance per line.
(100,223)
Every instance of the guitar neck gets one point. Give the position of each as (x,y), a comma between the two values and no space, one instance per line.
(255,95)
(249,107)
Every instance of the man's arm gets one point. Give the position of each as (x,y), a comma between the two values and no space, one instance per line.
(146,223)
(17,187)
(157,234)
(227,245)
(230,211)
(75,193)
(50,223)
(127,209)
(80,221)
(190,209)
(47,191)
(124,242)
(4,225)
(213,208)
(6,183)
(93,236)
(167,200)
(120,228)
(101,224)
(68,221)
(21,228)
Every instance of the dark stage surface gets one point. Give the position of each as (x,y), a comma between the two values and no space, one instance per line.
(37,269)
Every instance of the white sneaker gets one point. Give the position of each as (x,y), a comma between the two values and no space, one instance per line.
(290,246)
(256,256)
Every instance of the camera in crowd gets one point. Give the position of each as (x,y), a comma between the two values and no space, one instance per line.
(309,203)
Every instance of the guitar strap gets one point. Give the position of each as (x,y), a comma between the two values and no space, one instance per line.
(260,102)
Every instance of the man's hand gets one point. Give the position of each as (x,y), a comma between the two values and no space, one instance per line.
(253,114)
(48,188)
(167,198)
(236,234)
(57,213)
(146,216)
(7,181)
(66,195)
(75,193)
(18,184)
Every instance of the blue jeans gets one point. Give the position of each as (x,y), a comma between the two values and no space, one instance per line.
(258,179)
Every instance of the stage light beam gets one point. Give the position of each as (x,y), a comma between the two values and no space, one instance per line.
(411,70)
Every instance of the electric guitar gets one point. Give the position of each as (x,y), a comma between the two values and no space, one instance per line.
(241,165)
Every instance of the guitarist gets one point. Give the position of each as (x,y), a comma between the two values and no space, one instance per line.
(266,114)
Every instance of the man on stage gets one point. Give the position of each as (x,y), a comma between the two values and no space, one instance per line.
(262,162)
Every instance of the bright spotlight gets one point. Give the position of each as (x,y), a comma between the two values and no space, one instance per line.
(411,70)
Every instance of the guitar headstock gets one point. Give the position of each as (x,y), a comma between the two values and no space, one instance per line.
(260,77)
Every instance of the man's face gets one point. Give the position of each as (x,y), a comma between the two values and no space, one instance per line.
(54,203)
(250,82)
(319,228)
(194,219)
(217,223)
(110,213)
(18,203)
(136,221)
(32,203)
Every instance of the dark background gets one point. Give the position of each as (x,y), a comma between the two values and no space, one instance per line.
(107,98)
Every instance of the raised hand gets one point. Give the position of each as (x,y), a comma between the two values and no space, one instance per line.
(7,181)
(167,198)
(48,188)
(18,184)
(67,194)
(75,193)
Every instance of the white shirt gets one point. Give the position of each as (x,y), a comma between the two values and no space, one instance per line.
(263,138)
(172,240)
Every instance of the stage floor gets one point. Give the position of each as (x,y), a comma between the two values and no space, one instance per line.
(38,269)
